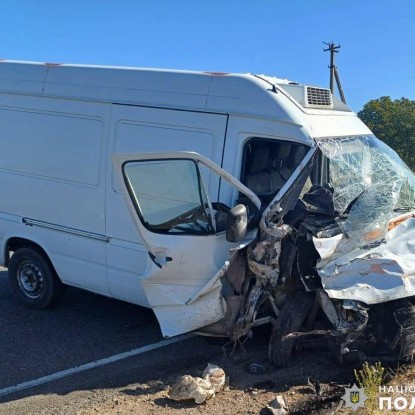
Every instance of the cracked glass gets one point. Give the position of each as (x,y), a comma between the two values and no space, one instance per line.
(371,185)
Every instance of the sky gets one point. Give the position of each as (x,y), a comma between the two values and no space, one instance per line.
(272,37)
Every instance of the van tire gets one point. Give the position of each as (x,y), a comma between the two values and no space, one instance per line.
(404,316)
(291,319)
(33,279)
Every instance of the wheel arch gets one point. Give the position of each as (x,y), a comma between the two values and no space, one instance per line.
(16,242)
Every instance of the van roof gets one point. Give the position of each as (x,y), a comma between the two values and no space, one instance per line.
(199,91)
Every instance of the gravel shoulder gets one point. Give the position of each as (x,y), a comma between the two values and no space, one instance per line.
(140,385)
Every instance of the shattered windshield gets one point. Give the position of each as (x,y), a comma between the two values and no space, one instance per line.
(371,185)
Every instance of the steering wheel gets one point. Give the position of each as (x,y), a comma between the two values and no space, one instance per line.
(190,216)
(221,207)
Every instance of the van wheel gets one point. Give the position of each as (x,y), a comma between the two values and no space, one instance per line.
(33,279)
(405,318)
(292,316)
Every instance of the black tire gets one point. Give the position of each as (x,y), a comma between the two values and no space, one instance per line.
(405,348)
(292,316)
(33,279)
(393,327)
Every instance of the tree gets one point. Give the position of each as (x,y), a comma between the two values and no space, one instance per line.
(393,122)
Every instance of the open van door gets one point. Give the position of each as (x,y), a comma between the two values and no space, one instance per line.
(188,252)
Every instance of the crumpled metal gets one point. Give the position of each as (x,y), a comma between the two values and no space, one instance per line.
(372,275)
(263,260)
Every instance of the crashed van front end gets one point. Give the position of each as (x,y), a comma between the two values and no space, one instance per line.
(335,262)
(330,259)
(307,225)
(369,268)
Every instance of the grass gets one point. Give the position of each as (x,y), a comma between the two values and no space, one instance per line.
(370,378)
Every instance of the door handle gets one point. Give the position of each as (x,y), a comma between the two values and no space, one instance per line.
(153,258)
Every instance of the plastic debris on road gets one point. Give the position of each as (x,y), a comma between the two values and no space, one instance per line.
(198,389)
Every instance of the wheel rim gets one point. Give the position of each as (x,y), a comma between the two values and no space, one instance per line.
(30,279)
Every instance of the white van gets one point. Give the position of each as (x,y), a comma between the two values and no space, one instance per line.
(221,201)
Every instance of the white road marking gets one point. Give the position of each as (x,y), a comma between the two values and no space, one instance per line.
(115,358)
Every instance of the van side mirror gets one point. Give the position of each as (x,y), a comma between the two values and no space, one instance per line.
(237,223)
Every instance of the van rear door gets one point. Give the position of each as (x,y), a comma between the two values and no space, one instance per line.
(187,255)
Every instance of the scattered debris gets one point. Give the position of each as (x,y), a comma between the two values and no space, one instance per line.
(215,375)
(200,389)
(315,385)
(256,369)
(276,407)
(188,387)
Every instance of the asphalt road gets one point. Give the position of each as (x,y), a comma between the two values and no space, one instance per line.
(83,328)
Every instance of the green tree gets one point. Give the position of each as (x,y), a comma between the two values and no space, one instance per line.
(393,122)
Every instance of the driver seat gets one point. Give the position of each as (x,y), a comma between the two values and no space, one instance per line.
(258,178)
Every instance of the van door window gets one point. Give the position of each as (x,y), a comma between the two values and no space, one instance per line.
(268,164)
(169,196)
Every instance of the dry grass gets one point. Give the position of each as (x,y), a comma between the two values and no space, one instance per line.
(371,378)
(403,376)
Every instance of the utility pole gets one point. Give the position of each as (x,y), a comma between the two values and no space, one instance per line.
(334,75)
